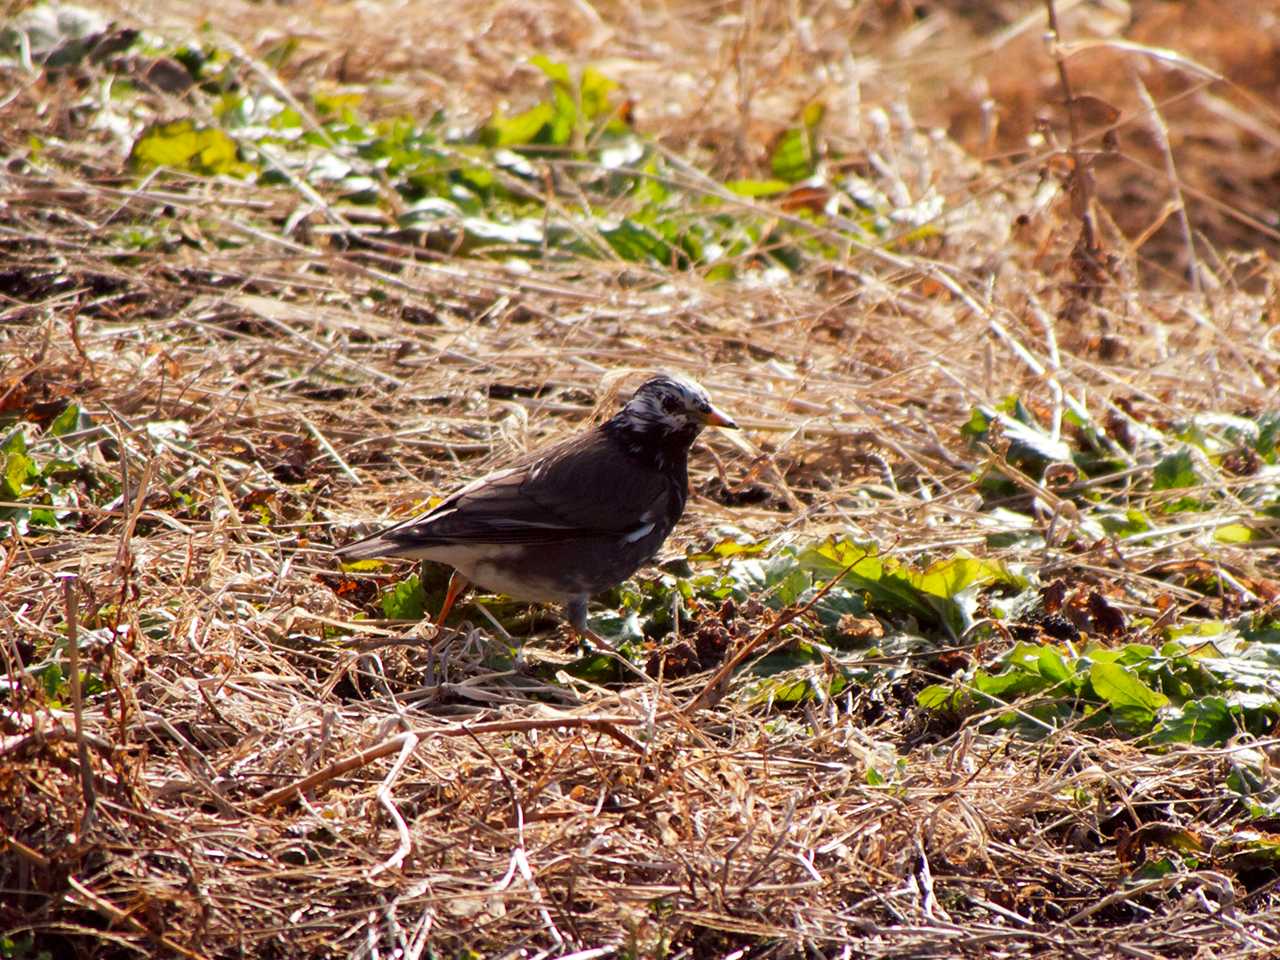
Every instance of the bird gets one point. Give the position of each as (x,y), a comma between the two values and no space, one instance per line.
(571,519)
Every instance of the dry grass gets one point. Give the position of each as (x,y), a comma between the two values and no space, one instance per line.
(452,805)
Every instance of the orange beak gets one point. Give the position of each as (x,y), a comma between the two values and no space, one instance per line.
(717,418)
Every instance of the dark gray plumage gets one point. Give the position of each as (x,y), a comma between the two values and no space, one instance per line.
(572,519)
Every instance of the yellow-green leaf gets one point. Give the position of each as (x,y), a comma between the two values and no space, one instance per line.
(181,145)
(1234,533)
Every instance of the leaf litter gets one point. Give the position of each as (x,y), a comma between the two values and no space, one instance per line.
(996,554)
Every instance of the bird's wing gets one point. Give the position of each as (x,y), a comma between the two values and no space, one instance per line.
(582,487)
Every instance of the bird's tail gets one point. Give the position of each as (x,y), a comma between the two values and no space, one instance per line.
(371,546)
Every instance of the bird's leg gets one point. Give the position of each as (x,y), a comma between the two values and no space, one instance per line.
(457,583)
(576,611)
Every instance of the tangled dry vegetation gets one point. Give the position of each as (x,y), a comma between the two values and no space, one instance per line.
(259,763)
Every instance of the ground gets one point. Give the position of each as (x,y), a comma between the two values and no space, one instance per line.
(968,643)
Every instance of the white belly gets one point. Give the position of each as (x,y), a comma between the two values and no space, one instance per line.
(487,567)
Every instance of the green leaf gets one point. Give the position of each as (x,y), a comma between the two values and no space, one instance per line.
(520,130)
(595,668)
(938,696)
(978,424)
(617,626)
(51,680)
(181,145)
(595,91)
(789,679)
(1007,686)
(406,600)
(1053,667)
(795,155)
(757,188)
(636,243)
(1205,721)
(866,571)
(1155,869)
(66,422)
(557,73)
(18,469)
(949,578)
(943,593)
(1028,441)
(15,442)
(1175,471)
(729,547)
(337,104)
(793,159)
(1268,436)
(1131,523)
(1235,533)
(1132,701)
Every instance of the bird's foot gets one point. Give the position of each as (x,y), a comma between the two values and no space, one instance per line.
(589,641)
(586,636)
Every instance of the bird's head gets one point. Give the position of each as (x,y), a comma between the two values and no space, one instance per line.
(673,405)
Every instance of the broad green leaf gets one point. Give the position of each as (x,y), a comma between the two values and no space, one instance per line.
(978,424)
(1268,436)
(1008,686)
(66,422)
(181,145)
(793,157)
(18,469)
(565,120)
(363,566)
(337,104)
(1130,655)
(938,696)
(1205,721)
(837,604)
(617,626)
(790,678)
(42,517)
(786,580)
(1175,471)
(595,90)
(15,442)
(1235,429)
(406,600)
(948,578)
(729,547)
(520,130)
(813,113)
(636,243)
(1053,667)
(1128,696)
(943,593)
(1028,441)
(887,588)
(1130,523)
(51,680)
(555,72)
(1235,533)
(757,188)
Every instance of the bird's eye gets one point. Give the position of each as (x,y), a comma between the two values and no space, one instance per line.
(670,404)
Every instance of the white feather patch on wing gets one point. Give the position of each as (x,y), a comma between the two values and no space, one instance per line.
(639,533)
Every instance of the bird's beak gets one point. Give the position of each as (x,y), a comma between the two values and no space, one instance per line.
(717,418)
